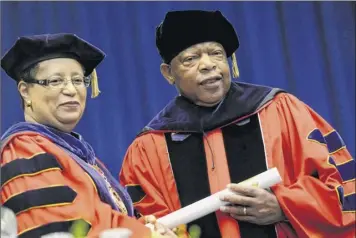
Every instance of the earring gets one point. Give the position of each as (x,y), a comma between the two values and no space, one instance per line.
(28,104)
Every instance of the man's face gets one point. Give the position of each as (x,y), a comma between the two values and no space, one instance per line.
(201,73)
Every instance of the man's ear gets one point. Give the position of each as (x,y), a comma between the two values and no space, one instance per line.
(166,72)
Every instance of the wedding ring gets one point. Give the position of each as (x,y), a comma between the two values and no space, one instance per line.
(245,211)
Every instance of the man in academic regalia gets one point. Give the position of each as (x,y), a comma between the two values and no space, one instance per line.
(218,132)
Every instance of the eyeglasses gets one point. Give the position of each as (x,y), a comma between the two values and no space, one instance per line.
(60,83)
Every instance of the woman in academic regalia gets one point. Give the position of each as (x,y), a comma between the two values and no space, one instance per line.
(50,174)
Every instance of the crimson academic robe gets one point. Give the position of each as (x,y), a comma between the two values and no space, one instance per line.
(47,181)
(188,152)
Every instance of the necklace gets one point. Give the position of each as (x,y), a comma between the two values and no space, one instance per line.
(118,201)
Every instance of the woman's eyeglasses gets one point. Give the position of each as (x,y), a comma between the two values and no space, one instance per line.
(60,83)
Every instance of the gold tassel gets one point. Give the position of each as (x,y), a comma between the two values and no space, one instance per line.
(94,85)
(235,69)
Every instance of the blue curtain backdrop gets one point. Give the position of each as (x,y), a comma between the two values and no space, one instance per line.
(307,48)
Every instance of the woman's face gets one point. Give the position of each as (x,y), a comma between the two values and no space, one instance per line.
(61,103)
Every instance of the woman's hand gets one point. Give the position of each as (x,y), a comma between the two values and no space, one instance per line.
(158,228)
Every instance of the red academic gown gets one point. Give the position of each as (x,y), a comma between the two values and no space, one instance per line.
(48,190)
(186,154)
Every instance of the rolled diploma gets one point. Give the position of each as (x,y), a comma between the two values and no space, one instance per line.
(213,203)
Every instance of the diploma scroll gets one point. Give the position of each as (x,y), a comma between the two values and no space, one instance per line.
(212,203)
